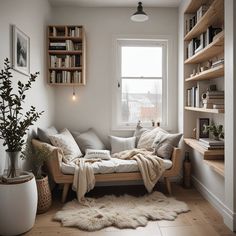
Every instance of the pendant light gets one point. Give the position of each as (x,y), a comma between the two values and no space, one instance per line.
(139,15)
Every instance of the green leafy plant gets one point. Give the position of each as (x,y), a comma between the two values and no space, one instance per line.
(37,156)
(215,130)
(13,122)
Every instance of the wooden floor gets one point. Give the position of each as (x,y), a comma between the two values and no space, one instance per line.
(202,220)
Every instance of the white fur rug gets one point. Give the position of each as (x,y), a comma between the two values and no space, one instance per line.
(121,212)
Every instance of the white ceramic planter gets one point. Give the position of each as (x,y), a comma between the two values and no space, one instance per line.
(18,206)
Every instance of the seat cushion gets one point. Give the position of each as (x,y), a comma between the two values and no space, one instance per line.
(114,165)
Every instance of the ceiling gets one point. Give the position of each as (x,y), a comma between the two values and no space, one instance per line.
(115,3)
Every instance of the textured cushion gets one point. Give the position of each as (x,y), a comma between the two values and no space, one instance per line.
(66,142)
(43,134)
(119,144)
(100,154)
(138,132)
(147,138)
(164,144)
(88,140)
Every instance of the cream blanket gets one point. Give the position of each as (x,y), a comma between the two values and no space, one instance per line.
(150,166)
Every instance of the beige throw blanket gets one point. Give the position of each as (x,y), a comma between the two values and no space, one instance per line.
(150,166)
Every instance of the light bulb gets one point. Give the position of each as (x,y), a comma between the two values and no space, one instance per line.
(73,96)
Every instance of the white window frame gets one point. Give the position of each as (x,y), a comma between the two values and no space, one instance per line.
(116,91)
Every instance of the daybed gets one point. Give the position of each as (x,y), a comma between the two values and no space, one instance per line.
(112,171)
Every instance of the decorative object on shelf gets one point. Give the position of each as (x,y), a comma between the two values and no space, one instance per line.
(139,15)
(20,51)
(38,156)
(213,99)
(194,133)
(201,123)
(187,171)
(215,130)
(14,124)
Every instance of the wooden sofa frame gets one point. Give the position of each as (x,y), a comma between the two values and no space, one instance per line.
(54,163)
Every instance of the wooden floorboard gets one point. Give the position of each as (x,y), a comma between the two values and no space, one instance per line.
(203,219)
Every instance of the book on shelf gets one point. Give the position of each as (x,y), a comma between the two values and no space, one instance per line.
(217,63)
(208,147)
(201,11)
(65,61)
(218,106)
(66,77)
(212,142)
(213,94)
(57,46)
(219,101)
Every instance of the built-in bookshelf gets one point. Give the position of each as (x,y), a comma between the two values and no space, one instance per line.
(204,73)
(66,51)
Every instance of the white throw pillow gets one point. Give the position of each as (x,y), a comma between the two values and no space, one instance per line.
(100,154)
(66,142)
(147,138)
(119,144)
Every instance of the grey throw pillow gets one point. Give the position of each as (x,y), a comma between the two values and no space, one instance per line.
(43,134)
(147,138)
(119,144)
(164,144)
(88,140)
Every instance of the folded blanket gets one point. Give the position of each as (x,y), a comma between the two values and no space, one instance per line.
(150,166)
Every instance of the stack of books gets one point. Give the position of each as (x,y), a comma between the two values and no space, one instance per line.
(211,144)
(213,100)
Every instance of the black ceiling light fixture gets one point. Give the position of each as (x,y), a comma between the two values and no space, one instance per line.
(139,15)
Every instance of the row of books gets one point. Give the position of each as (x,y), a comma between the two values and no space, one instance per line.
(211,144)
(72,32)
(213,99)
(192,19)
(197,44)
(67,45)
(193,97)
(64,61)
(66,77)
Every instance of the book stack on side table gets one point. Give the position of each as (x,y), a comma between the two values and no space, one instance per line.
(211,144)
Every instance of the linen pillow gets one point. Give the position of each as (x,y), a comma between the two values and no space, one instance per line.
(88,140)
(66,142)
(119,144)
(164,144)
(100,154)
(138,132)
(147,138)
(43,134)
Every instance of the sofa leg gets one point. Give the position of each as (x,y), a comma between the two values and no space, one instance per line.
(168,185)
(65,192)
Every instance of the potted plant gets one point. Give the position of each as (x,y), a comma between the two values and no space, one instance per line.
(13,123)
(215,130)
(38,156)
(18,191)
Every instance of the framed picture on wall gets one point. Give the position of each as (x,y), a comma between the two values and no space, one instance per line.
(20,51)
(201,122)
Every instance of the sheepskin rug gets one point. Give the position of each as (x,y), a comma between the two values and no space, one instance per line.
(121,212)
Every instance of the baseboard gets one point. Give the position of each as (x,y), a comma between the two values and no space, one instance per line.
(228,215)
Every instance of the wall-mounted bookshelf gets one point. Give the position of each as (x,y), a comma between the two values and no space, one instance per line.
(66,51)
(203,67)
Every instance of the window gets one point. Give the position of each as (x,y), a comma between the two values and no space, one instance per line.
(141,85)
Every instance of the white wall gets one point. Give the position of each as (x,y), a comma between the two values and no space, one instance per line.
(31,17)
(93,108)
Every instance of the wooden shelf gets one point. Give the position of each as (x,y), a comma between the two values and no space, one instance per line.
(209,18)
(64,52)
(65,68)
(194,5)
(212,73)
(211,50)
(198,109)
(207,154)
(66,84)
(63,38)
(217,165)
